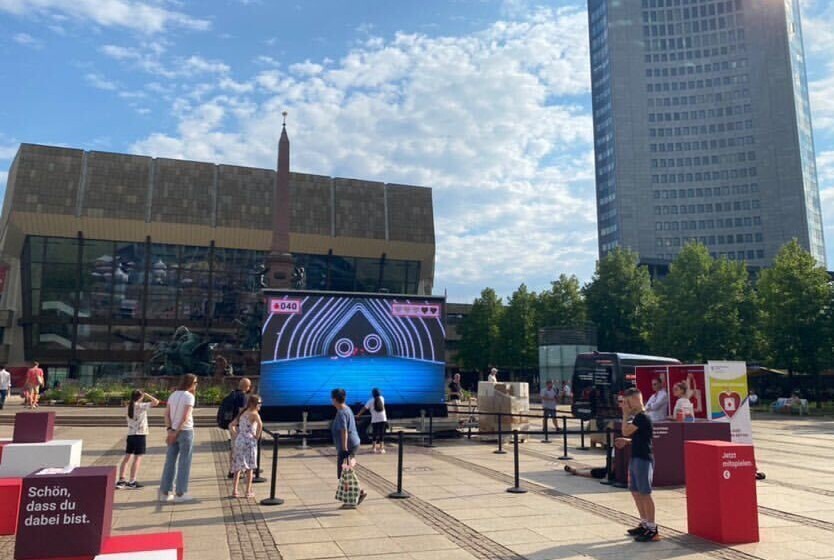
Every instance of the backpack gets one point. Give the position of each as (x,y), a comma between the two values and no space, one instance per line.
(228,410)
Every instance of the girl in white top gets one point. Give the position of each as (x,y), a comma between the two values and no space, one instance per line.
(180,425)
(137,434)
(684,411)
(379,419)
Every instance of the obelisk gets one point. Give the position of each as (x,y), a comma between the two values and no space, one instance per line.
(279,260)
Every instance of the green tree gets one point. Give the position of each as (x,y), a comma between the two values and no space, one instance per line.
(620,302)
(480,337)
(519,330)
(704,309)
(796,298)
(562,305)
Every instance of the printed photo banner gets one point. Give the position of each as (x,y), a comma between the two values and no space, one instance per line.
(728,398)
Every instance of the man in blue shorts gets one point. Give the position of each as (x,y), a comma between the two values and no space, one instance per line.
(638,433)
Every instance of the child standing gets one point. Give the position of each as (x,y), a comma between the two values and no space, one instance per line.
(246,431)
(137,435)
(379,419)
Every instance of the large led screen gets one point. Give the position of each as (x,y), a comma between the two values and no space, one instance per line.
(313,342)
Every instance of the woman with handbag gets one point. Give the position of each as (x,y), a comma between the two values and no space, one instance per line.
(179,422)
(346,440)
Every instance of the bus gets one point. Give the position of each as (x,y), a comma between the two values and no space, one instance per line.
(599,378)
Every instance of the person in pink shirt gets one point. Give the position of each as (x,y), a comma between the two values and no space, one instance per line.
(34,382)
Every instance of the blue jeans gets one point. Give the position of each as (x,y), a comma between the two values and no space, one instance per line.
(3,394)
(178,461)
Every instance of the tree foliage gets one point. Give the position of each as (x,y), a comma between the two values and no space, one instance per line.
(519,330)
(620,302)
(796,304)
(480,343)
(563,304)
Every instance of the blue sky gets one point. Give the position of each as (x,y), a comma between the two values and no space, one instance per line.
(486,101)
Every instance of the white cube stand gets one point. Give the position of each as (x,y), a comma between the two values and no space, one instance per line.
(170,554)
(22,459)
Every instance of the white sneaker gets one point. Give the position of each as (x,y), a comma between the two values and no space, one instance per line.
(184,499)
(165,497)
(382,451)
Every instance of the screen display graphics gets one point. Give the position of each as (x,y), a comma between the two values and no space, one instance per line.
(315,342)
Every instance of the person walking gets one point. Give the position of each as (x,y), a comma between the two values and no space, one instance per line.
(179,422)
(657,407)
(550,398)
(345,436)
(379,419)
(137,435)
(246,430)
(5,386)
(230,408)
(455,396)
(566,393)
(34,382)
(638,432)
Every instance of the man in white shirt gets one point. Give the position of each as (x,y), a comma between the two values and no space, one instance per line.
(493,376)
(5,385)
(657,407)
(550,396)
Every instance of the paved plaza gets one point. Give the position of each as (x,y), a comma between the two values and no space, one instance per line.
(460,508)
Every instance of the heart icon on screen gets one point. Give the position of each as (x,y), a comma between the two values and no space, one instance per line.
(425,310)
(433,310)
(730,402)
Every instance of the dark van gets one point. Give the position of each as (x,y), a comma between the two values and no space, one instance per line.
(599,378)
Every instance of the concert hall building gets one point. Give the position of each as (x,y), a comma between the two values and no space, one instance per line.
(105,256)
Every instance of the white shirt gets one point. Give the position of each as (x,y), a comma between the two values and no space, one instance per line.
(566,390)
(177,403)
(138,425)
(549,397)
(492,378)
(657,406)
(684,406)
(5,380)
(377,416)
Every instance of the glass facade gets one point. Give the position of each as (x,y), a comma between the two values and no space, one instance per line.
(111,308)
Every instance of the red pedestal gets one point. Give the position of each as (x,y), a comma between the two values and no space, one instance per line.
(146,542)
(75,510)
(33,427)
(721,502)
(10,489)
(3,443)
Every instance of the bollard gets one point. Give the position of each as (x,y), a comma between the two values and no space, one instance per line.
(582,436)
(431,428)
(500,450)
(546,433)
(272,500)
(304,446)
(399,494)
(258,479)
(516,489)
(423,425)
(609,479)
(565,456)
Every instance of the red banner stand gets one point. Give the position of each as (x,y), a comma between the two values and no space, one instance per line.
(10,490)
(144,543)
(721,502)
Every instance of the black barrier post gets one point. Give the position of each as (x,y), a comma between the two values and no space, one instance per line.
(609,479)
(431,428)
(258,478)
(582,446)
(516,489)
(546,432)
(399,494)
(565,456)
(500,450)
(272,500)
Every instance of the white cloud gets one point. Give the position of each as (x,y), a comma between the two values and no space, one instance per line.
(151,57)
(27,40)
(477,117)
(100,82)
(144,17)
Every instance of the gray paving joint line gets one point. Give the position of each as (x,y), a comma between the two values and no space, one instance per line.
(693,543)
(247,533)
(470,540)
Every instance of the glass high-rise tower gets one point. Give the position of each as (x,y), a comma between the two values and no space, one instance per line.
(702,128)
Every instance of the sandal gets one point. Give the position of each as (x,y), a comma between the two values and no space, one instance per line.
(235,494)
(250,495)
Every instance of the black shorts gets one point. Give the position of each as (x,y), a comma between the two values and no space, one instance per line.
(549,412)
(136,445)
